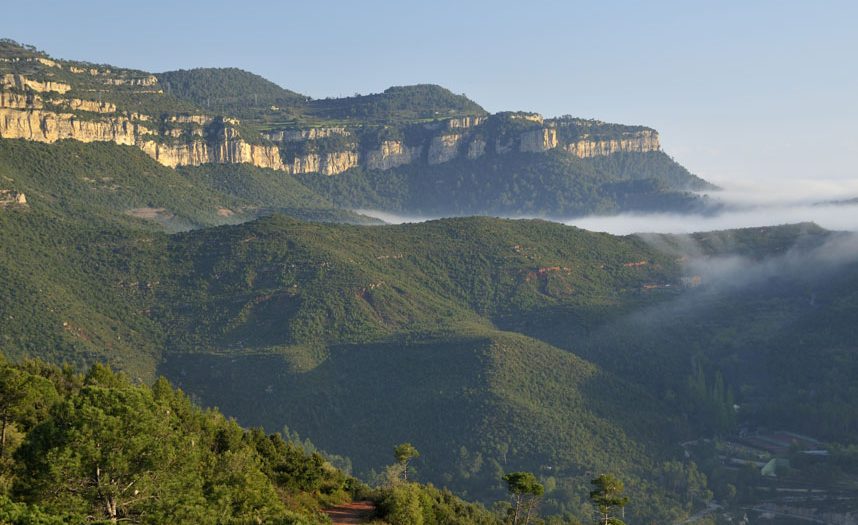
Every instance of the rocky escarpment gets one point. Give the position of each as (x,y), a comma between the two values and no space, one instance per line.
(538,140)
(22,83)
(172,140)
(390,154)
(34,111)
(443,141)
(48,100)
(637,142)
(197,146)
(331,163)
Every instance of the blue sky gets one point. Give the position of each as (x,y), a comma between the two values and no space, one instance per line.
(742,92)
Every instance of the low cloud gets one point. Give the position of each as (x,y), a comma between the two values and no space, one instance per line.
(394,218)
(832,217)
(743,205)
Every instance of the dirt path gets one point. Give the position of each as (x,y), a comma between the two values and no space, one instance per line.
(355,512)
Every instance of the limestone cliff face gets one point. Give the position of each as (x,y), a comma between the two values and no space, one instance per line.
(444,148)
(390,154)
(465,122)
(227,148)
(476,148)
(48,126)
(638,142)
(19,100)
(22,83)
(146,81)
(173,155)
(538,141)
(332,163)
(222,146)
(76,104)
(48,111)
(31,100)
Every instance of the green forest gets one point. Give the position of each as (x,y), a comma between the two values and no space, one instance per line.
(228,344)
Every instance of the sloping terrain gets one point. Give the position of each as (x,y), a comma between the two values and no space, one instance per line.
(493,345)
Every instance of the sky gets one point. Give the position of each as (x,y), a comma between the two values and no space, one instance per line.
(744,93)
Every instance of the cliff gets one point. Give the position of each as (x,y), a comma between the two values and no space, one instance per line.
(637,142)
(442,141)
(390,154)
(212,142)
(194,140)
(37,111)
(47,100)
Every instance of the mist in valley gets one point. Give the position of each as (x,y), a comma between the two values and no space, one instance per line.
(831,204)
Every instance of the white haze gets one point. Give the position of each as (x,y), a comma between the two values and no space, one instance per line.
(745,205)
(832,217)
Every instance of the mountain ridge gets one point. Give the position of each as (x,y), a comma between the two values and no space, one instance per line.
(254,121)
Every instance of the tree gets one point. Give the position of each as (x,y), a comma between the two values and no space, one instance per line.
(24,400)
(526,491)
(110,450)
(402,505)
(404,453)
(607,496)
(11,394)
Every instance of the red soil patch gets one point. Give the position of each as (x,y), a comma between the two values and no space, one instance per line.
(355,512)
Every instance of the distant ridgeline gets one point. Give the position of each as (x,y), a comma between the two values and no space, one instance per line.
(229,116)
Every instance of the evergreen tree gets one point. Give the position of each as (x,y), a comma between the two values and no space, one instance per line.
(404,453)
(607,496)
(526,491)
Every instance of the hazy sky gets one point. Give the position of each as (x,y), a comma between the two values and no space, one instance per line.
(741,91)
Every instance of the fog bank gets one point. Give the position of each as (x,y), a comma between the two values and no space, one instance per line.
(832,217)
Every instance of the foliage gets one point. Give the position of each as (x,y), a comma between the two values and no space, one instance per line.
(421,101)
(607,496)
(404,453)
(229,91)
(413,504)
(109,450)
(526,491)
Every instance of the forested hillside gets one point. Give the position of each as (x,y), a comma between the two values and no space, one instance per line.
(95,448)
(492,345)
(201,225)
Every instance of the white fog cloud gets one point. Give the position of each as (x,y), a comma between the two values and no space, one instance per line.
(746,204)
(831,217)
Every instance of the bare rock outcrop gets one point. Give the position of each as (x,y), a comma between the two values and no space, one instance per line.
(390,154)
(444,148)
(637,142)
(9,198)
(538,140)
